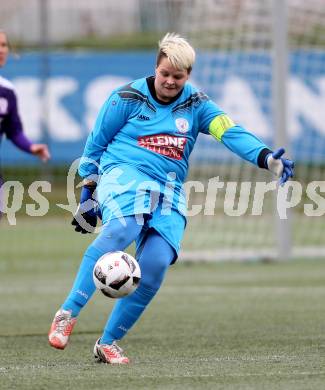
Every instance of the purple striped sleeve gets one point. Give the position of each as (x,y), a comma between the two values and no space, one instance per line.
(13,126)
(21,141)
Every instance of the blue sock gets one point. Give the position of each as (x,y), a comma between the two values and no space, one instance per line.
(83,287)
(113,237)
(126,312)
(154,261)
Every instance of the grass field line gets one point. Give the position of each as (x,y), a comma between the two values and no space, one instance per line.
(255,289)
(256,359)
(40,334)
(185,290)
(233,375)
(277,373)
(92,332)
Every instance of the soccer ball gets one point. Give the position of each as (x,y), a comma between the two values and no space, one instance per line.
(116,274)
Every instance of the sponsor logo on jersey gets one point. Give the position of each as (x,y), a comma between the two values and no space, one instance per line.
(164,144)
(3,106)
(182,125)
(142,117)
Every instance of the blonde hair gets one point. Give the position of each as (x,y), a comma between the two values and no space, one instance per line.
(178,51)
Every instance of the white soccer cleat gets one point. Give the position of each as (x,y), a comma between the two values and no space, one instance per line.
(61,329)
(109,354)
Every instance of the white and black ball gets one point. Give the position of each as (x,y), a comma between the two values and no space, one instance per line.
(116,274)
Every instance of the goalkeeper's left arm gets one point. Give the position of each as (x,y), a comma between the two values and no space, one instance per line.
(251,148)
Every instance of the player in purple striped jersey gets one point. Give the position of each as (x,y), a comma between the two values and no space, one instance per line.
(10,122)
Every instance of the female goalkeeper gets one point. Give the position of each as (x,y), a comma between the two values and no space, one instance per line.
(140,147)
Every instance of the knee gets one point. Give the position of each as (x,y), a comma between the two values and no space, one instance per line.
(91,255)
(112,238)
(117,234)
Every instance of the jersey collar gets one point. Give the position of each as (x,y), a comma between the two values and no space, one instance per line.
(151,86)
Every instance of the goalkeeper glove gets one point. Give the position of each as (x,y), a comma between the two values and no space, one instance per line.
(280,166)
(85,218)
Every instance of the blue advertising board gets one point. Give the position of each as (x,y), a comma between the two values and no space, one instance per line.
(60,95)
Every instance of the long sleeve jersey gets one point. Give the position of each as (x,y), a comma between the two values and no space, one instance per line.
(10,123)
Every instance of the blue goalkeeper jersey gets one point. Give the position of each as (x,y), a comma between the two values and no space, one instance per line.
(134,128)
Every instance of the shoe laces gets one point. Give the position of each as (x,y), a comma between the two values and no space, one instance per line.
(64,324)
(113,349)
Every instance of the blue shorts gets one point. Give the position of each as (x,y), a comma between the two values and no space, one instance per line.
(123,191)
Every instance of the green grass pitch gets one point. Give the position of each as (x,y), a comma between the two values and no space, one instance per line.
(212,326)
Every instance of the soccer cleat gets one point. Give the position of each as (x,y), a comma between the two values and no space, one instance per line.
(61,329)
(109,354)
